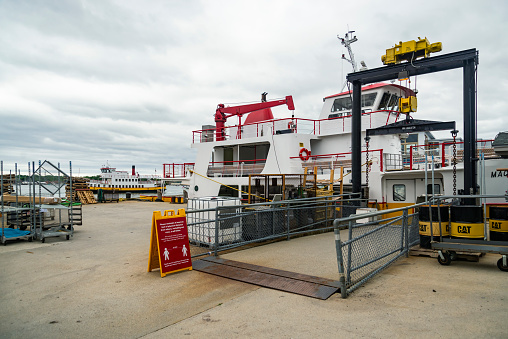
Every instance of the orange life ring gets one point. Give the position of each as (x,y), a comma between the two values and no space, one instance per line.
(304,154)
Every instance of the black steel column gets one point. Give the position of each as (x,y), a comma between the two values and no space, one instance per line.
(470,156)
(356,138)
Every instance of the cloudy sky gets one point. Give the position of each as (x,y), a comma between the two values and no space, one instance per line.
(127,81)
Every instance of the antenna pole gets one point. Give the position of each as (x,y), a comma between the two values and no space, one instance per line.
(346,41)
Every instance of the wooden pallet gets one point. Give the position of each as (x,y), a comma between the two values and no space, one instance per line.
(86,197)
(425,252)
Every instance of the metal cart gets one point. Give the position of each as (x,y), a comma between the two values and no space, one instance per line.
(8,233)
(53,225)
(447,247)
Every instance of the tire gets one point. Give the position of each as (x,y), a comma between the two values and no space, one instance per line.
(453,255)
(447,259)
(67,237)
(43,240)
(500,265)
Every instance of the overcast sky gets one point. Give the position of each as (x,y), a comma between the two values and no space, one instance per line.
(128,81)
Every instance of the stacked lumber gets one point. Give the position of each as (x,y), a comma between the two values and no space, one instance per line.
(78,183)
(28,200)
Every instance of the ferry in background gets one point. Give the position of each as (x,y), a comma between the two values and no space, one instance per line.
(123,181)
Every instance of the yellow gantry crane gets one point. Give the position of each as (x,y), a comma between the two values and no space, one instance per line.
(409,51)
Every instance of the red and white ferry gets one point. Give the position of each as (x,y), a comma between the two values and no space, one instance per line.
(264,144)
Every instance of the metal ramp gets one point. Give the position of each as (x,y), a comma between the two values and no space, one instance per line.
(310,286)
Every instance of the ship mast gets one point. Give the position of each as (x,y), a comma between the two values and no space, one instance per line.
(347,41)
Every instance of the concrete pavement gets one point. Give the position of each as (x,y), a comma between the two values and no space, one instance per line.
(97,285)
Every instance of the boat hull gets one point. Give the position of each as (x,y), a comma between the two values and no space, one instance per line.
(94,189)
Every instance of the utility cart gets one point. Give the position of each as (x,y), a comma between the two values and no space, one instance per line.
(471,231)
(448,248)
(8,233)
(54,219)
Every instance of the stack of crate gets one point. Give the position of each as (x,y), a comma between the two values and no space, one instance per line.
(8,182)
(86,197)
(81,185)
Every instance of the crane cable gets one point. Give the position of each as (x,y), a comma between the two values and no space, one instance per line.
(236,189)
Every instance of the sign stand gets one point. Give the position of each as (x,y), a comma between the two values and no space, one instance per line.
(169,243)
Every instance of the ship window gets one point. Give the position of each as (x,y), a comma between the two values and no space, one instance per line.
(368,99)
(335,116)
(399,192)
(341,104)
(384,101)
(394,103)
(437,189)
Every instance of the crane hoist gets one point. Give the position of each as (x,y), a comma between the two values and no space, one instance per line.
(222,113)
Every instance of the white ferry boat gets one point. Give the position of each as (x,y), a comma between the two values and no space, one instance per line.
(123,181)
(395,177)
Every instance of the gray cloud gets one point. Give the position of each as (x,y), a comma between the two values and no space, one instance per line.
(128,81)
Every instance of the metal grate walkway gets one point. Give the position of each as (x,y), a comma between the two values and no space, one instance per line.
(297,283)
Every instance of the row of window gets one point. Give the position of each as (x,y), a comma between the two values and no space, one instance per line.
(128,186)
(388,102)
(129,180)
(345,103)
(124,186)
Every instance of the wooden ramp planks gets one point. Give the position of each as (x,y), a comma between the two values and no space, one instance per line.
(310,286)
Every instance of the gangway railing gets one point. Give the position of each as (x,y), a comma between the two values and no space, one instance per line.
(365,244)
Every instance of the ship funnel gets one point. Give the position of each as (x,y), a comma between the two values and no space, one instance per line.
(133,170)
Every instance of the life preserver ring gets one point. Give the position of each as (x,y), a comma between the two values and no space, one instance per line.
(304,154)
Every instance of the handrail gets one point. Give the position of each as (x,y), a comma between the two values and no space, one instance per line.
(316,129)
(239,161)
(439,147)
(343,154)
(337,222)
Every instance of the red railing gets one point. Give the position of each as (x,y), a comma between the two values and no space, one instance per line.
(344,155)
(285,125)
(176,170)
(235,168)
(443,153)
